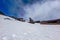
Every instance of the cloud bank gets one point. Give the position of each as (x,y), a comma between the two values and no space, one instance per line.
(46,11)
(17,7)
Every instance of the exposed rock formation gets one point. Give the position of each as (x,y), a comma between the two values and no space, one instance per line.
(19,19)
(7,18)
(1,13)
(56,21)
(31,21)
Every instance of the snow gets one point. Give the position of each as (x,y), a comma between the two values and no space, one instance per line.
(16,30)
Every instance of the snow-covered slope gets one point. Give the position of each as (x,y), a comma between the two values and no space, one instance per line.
(11,29)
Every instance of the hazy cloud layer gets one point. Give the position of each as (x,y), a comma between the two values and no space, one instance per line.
(49,10)
(36,9)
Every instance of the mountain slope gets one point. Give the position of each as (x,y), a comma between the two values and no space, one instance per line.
(11,29)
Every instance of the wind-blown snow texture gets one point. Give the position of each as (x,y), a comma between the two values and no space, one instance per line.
(11,29)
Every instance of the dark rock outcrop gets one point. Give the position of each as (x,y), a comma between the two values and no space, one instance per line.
(56,21)
(1,13)
(31,21)
(37,21)
(7,19)
(19,19)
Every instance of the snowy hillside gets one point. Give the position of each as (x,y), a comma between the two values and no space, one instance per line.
(11,29)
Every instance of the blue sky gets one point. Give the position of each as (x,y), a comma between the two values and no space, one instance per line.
(5,6)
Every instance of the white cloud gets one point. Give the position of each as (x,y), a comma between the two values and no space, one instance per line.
(46,11)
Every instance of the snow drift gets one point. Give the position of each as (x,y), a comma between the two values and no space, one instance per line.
(16,30)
